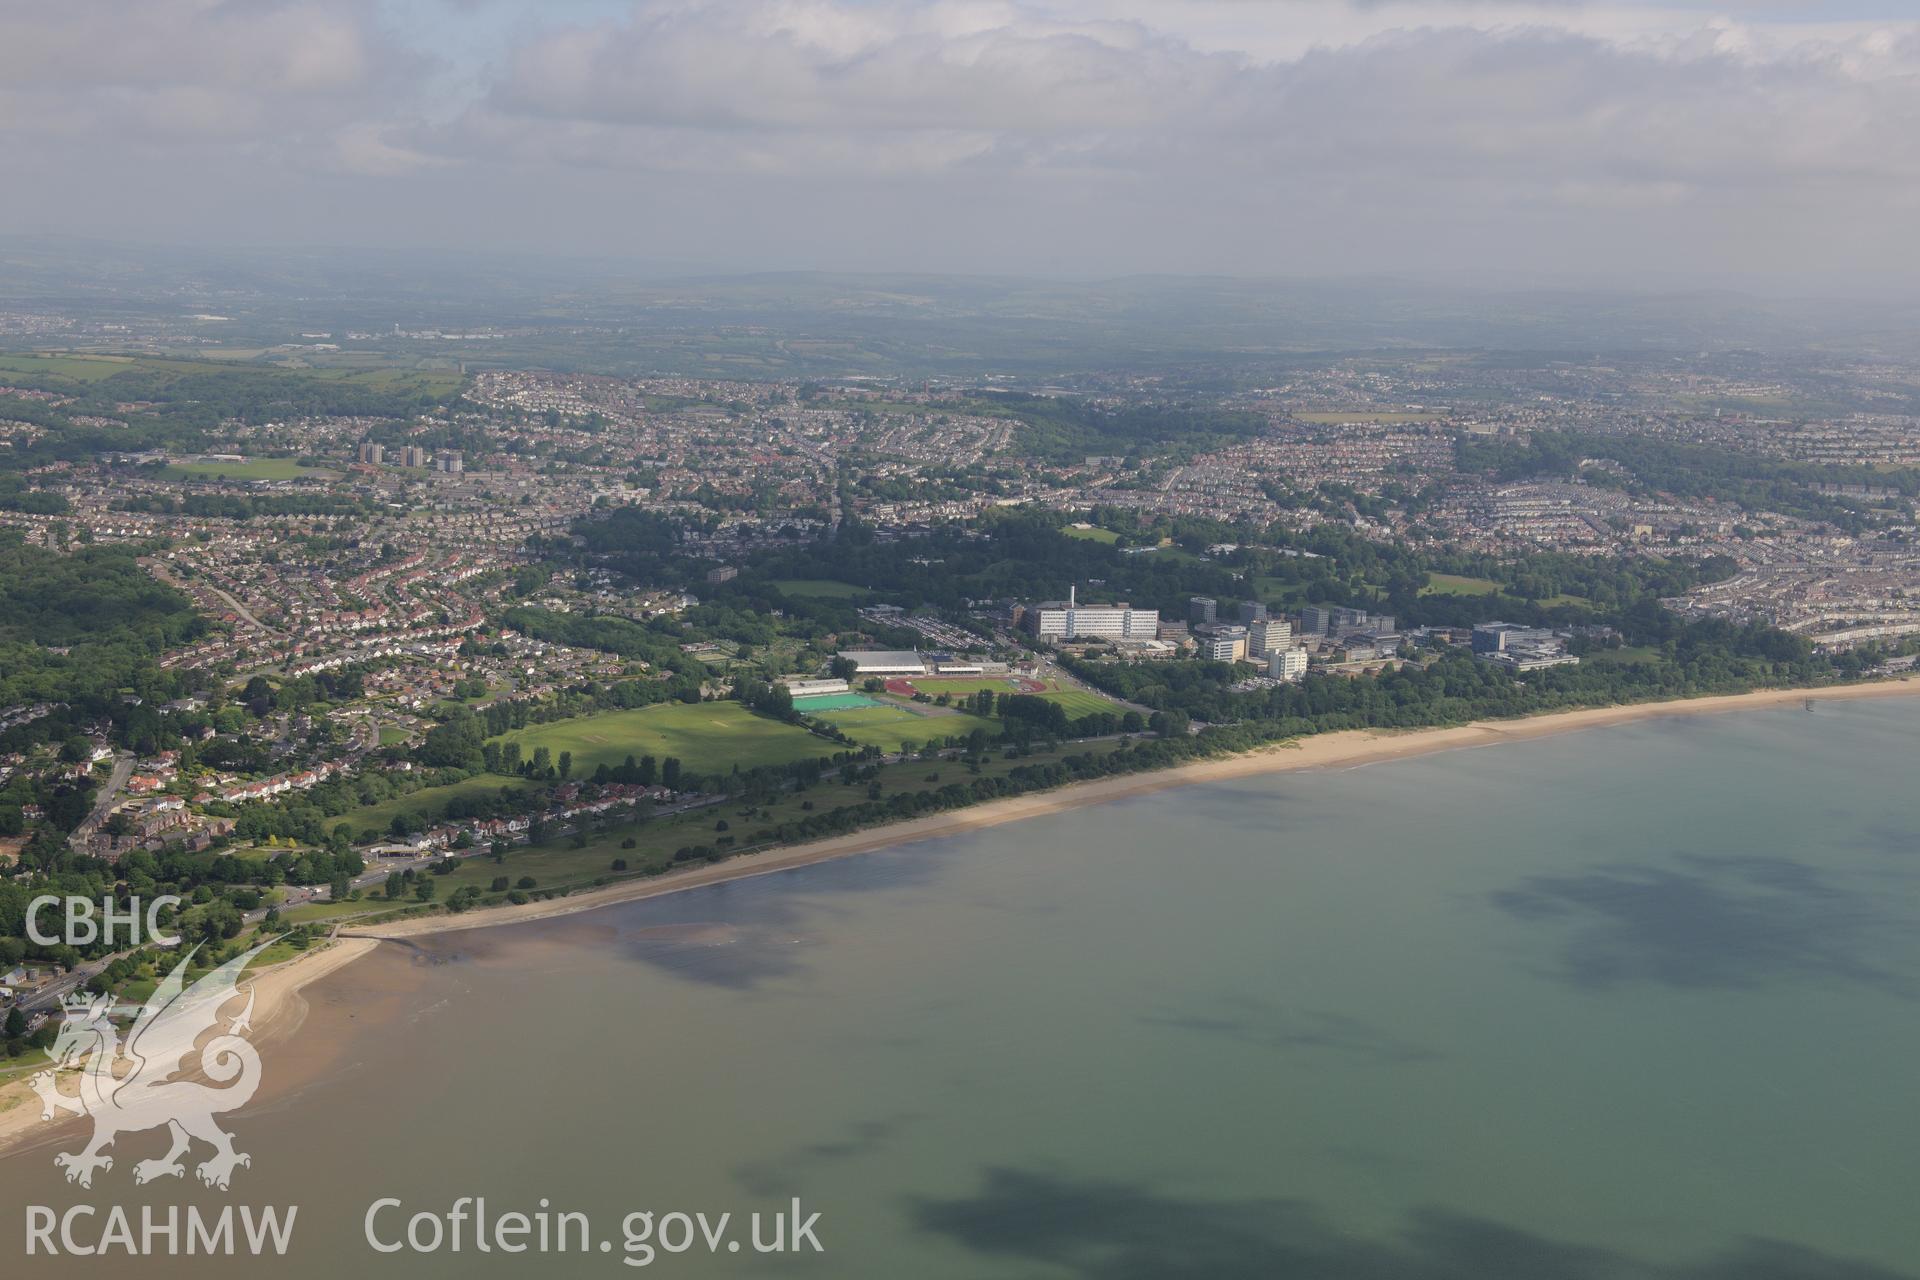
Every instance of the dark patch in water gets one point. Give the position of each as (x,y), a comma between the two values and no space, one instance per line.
(782,1174)
(1126,1231)
(1255,1022)
(429,950)
(1724,922)
(1890,836)
(740,965)
(749,932)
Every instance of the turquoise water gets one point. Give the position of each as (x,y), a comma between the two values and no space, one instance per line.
(1638,1003)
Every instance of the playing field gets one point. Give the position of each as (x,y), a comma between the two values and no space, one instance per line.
(885,726)
(872,722)
(1078,702)
(708,737)
(819,588)
(251,469)
(813,705)
(1092,533)
(1454,584)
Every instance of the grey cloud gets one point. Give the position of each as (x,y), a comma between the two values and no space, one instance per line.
(1550,114)
(192,73)
(994,135)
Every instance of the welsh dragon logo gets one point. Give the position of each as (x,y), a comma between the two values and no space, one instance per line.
(158,1078)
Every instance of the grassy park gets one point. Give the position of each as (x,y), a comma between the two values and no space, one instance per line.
(1453,584)
(1078,702)
(1091,533)
(888,725)
(251,469)
(708,737)
(819,589)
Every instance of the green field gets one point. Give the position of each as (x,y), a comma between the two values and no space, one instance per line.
(1092,534)
(29,1063)
(1453,584)
(1271,590)
(708,737)
(557,864)
(428,802)
(80,368)
(819,588)
(887,726)
(251,469)
(90,367)
(1078,702)
(389,377)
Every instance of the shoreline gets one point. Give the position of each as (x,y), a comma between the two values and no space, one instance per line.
(278,1013)
(280,1010)
(1348,748)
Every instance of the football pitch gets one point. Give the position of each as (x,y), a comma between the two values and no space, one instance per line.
(708,737)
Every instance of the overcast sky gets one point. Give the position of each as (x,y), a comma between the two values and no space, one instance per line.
(1768,143)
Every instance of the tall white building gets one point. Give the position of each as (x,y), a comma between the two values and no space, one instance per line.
(1287,664)
(1074,620)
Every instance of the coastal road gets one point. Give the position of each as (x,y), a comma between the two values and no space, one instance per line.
(47,998)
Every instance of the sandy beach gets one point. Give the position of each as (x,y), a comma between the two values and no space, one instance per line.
(1345,749)
(281,1010)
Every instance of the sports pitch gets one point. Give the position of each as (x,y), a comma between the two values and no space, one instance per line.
(1078,702)
(708,737)
(815,704)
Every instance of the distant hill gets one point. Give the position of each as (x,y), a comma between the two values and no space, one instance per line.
(623,317)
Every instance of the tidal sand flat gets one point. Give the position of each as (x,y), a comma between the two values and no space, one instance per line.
(1638,1002)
